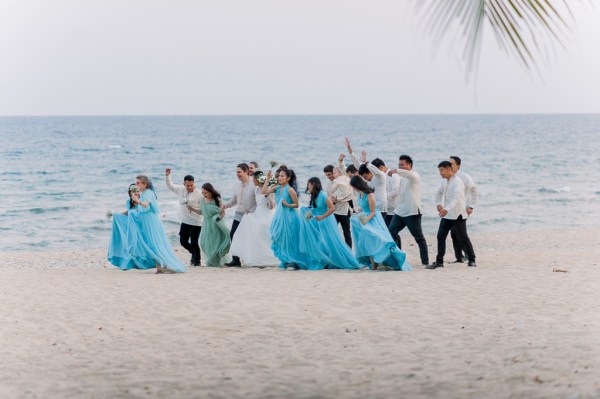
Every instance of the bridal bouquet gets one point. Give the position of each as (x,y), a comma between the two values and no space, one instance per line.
(308,215)
(109,214)
(363,218)
(184,201)
(273,163)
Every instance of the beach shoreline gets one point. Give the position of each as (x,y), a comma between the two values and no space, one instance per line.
(524,323)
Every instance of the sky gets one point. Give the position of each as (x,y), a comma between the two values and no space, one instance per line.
(230,57)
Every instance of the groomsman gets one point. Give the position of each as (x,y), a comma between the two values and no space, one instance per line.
(245,200)
(471,196)
(191,222)
(341,194)
(408,209)
(450,200)
(252,167)
(374,176)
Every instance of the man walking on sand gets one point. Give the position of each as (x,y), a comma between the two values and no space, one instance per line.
(191,222)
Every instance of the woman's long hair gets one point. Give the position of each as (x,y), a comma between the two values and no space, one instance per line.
(292,175)
(360,184)
(146,180)
(215,194)
(316,189)
(131,203)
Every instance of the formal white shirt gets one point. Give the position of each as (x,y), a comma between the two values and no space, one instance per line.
(244,198)
(451,196)
(186,198)
(409,193)
(340,192)
(377,183)
(393,191)
(471,191)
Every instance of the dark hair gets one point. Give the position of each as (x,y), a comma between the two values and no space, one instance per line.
(456,159)
(445,164)
(292,175)
(406,158)
(351,169)
(243,166)
(258,174)
(377,163)
(215,194)
(361,185)
(362,169)
(317,188)
(131,203)
(254,163)
(188,178)
(328,169)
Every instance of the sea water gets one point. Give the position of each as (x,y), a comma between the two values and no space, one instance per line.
(60,175)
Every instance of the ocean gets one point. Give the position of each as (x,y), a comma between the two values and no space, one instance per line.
(60,175)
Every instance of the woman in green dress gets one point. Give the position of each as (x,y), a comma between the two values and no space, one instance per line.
(214,239)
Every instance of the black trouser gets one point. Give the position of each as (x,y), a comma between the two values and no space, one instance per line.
(344,220)
(413,222)
(188,238)
(460,225)
(388,220)
(234,226)
(457,244)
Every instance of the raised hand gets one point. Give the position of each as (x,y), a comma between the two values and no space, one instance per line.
(348,146)
(167,171)
(341,157)
(363,156)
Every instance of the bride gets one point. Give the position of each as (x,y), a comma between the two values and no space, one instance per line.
(252,240)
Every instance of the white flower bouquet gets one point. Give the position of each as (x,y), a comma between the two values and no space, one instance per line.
(363,218)
(308,215)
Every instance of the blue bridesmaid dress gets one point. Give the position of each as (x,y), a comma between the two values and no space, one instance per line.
(321,241)
(285,232)
(373,240)
(118,250)
(146,240)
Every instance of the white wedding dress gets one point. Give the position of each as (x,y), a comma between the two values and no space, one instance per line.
(252,239)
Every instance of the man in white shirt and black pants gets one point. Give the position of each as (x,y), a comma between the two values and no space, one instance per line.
(450,200)
(408,209)
(191,222)
(339,191)
(471,196)
(245,200)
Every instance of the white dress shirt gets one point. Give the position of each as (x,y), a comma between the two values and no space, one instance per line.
(339,190)
(393,191)
(451,196)
(186,198)
(377,183)
(244,198)
(471,191)
(409,193)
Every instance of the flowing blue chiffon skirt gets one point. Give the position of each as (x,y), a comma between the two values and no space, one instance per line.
(285,235)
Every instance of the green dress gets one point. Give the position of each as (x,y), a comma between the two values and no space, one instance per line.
(214,240)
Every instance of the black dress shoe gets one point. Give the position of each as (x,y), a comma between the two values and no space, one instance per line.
(457,261)
(233,263)
(471,264)
(435,265)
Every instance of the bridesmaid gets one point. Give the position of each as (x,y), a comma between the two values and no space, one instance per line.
(320,238)
(118,253)
(147,242)
(214,240)
(373,244)
(286,221)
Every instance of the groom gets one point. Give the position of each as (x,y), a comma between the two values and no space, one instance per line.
(191,222)
(245,200)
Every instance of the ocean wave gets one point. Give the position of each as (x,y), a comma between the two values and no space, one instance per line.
(564,189)
(114,146)
(38,210)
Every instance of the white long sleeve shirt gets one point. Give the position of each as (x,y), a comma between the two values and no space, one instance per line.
(341,194)
(451,196)
(377,183)
(244,198)
(186,198)
(471,191)
(409,193)
(393,191)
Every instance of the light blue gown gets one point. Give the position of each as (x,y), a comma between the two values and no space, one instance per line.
(321,241)
(374,240)
(285,232)
(118,251)
(146,241)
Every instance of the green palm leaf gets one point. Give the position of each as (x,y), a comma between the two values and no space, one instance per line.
(517,25)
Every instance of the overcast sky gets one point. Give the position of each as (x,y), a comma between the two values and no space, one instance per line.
(200,57)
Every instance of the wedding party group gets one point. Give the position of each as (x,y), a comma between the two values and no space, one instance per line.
(369,201)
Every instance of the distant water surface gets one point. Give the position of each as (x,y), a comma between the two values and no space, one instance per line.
(60,175)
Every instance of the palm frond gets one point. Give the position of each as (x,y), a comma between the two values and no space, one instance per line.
(517,25)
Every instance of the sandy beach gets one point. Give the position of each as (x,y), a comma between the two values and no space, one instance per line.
(524,324)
